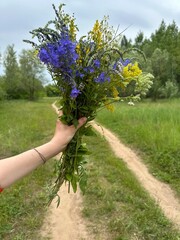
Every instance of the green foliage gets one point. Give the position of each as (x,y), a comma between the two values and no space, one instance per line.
(160,63)
(51,90)
(22,79)
(163,54)
(2,89)
(170,90)
(31,74)
(139,39)
(11,77)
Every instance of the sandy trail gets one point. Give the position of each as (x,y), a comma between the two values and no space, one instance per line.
(161,192)
(66,222)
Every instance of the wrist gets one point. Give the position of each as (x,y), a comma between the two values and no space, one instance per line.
(56,146)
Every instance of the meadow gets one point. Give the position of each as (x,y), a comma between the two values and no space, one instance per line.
(115,206)
(24,125)
(153,130)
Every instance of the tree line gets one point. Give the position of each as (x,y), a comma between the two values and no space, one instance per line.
(24,75)
(162,51)
(22,78)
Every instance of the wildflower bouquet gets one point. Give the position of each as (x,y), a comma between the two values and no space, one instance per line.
(88,73)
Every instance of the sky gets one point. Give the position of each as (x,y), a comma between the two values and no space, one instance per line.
(18,17)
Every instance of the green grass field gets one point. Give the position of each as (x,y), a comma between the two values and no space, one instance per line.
(24,125)
(115,206)
(152,128)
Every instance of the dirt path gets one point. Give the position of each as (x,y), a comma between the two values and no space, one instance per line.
(161,192)
(66,223)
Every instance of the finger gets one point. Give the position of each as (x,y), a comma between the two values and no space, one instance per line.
(59,112)
(82,121)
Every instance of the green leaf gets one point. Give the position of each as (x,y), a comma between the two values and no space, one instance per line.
(83,182)
(68,177)
(75,122)
(88,131)
(74,183)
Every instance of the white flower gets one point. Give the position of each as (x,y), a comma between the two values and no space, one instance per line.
(131,103)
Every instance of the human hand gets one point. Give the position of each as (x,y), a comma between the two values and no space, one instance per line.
(64,133)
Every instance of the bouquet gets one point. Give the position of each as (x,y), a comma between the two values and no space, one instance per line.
(89,72)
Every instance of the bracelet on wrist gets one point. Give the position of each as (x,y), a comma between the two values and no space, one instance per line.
(41,156)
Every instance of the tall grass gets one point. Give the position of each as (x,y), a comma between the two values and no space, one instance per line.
(24,125)
(154,129)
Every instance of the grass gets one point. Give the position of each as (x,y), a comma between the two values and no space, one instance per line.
(24,125)
(154,130)
(115,204)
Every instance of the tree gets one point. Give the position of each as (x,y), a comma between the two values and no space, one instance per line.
(51,90)
(161,71)
(31,71)
(168,38)
(2,89)
(139,40)
(125,43)
(11,77)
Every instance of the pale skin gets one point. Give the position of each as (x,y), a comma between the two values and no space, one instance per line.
(16,167)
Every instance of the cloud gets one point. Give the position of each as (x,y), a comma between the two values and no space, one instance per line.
(18,17)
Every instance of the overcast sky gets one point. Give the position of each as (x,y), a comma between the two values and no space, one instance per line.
(18,17)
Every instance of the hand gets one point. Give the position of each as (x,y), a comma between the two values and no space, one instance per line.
(64,133)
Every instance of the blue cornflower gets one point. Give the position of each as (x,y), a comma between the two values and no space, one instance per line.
(75,92)
(102,78)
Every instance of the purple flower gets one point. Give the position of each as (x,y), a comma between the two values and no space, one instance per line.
(89,69)
(61,55)
(122,62)
(74,92)
(102,78)
(44,55)
(125,62)
(97,63)
(79,74)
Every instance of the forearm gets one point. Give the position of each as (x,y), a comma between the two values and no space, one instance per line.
(16,167)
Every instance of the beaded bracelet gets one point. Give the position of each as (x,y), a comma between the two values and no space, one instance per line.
(41,156)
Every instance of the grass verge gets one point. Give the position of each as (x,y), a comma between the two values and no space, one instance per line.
(24,125)
(115,204)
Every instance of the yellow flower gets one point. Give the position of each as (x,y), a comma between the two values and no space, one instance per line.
(78,50)
(109,106)
(131,70)
(36,52)
(96,33)
(72,29)
(115,92)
